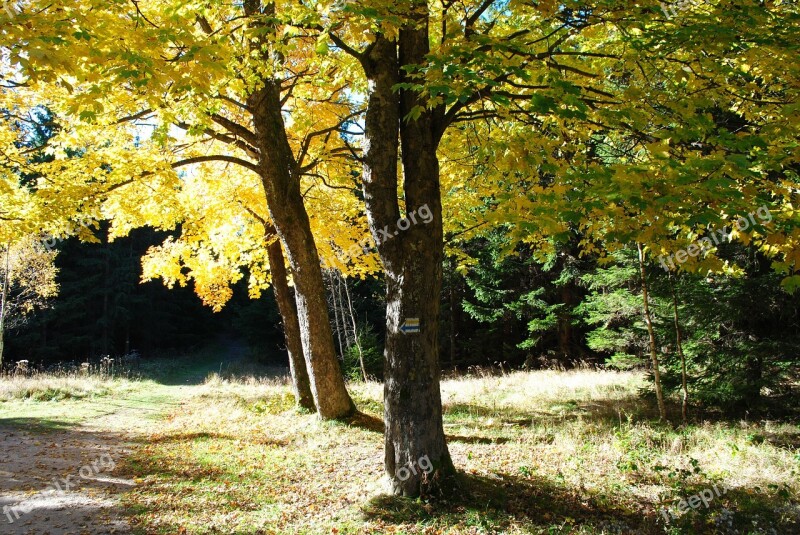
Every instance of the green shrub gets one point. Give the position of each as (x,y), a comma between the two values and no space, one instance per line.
(372,350)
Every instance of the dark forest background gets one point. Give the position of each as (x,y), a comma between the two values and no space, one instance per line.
(740,336)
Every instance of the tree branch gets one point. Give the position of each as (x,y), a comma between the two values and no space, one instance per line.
(204,25)
(472,19)
(235,128)
(247,148)
(217,158)
(344,46)
(135,117)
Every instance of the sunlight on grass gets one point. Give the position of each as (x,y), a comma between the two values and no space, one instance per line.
(61,386)
(540,452)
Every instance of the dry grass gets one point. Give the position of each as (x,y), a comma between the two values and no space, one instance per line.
(540,452)
(59,386)
(217,385)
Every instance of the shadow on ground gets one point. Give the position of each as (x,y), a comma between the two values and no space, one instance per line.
(63,480)
(189,437)
(498,503)
(39,425)
(501,502)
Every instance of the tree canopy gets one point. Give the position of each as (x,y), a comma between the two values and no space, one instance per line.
(558,128)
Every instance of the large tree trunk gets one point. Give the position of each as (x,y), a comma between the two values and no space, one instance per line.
(291,325)
(413,405)
(412,259)
(281,179)
(289,216)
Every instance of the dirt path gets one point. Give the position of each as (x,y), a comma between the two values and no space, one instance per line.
(60,476)
(65,481)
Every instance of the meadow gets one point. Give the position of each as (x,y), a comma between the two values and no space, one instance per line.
(578,452)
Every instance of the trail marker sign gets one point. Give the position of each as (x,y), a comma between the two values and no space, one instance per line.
(411,325)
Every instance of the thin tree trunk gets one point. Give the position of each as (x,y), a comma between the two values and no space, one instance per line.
(679,345)
(355,331)
(336,305)
(662,411)
(565,332)
(281,175)
(455,317)
(4,299)
(342,313)
(291,325)
(128,314)
(104,340)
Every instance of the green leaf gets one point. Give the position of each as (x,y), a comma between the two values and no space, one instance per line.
(791,284)
(322,45)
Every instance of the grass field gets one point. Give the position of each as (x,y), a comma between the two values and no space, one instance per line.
(539,452)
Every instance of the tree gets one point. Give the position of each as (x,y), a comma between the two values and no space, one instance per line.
(291,325)
(605,125)
(648,320)
(211,108)
(419,61)
(653,131)
(411,253)
(281,175)
(27,282)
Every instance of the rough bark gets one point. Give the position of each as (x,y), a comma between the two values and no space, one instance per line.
(289,216)
(412,262)
(291,326)
(648,319)
(281,179)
